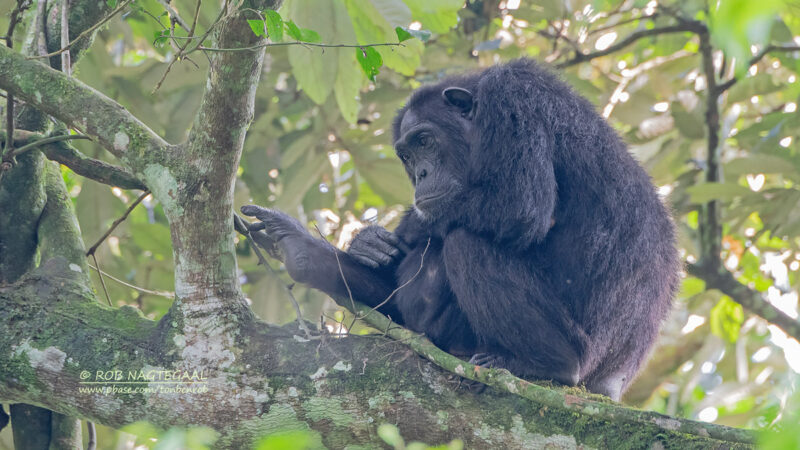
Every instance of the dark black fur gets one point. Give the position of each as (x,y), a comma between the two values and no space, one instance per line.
(550,254)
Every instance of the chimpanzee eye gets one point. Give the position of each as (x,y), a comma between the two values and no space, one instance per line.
(423,140)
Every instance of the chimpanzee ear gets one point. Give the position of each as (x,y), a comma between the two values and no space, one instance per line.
(460,98)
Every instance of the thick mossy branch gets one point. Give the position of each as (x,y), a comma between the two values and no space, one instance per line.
(59,233)
(505,381)
(340,389)
(80,107)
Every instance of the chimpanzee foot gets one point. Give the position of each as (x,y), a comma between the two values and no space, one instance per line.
(486,361)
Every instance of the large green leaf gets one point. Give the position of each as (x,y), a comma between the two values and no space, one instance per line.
(375,21)
(349,78)
(738,24)
(436,15)
(315,69)
(703,193)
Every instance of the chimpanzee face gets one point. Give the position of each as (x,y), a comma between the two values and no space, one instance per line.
(431,143)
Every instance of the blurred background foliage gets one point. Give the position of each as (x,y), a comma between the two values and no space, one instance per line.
(320,148)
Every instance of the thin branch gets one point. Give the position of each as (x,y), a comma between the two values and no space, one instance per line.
(750,299)
(102,281)
(306,44)
(165,294)
(86,33)
(94,169)
(689,26)
(622,22)
(45,141)
(14,19)
(709,227)
(173,15)
(398,288)
(116,223)
(92,443)
(754,60)
(66,63)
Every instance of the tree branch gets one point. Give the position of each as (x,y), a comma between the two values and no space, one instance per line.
(750,299)
(339,390)
(66,154)
(80,107)
(688,26)
(754,60)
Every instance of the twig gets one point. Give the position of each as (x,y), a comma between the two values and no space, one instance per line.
(173,15)
(165,294)
(66,64)
(308,44)
(688,26)
(344,278)
(92,444)
(116,223)
(753,301)
(241,226)
(755,59)
(45,141)
(7,158)
(87,32)
(421,264)
(102,281)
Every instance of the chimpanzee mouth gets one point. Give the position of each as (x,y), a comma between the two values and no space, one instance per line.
(421,202)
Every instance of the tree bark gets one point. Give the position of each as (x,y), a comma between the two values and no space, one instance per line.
(58,338)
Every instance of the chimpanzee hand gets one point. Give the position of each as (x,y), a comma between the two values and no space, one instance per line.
(375,246)
(290,235)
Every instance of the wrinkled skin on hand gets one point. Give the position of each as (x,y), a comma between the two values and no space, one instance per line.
(291,237)
(375,247)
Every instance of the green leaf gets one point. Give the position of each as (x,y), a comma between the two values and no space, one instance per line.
(759,163)
(692,286)
(160,38)
(290,440)
(738,24)
(257,26)
(706,192)
(314,69)
(374,22)
(274,25)
(437,15)
(690,124)
(307,35)
(726,319)
(299,178)
(293,30)
(348,85)
(404,34)
(370,61)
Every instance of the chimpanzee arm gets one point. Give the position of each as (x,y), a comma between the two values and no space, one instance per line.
(509,305)
(319,264)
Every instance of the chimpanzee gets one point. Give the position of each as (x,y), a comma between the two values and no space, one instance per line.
(535,242)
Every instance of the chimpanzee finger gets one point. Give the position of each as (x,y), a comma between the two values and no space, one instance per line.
(256,226)
(375,242)
(369,262)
